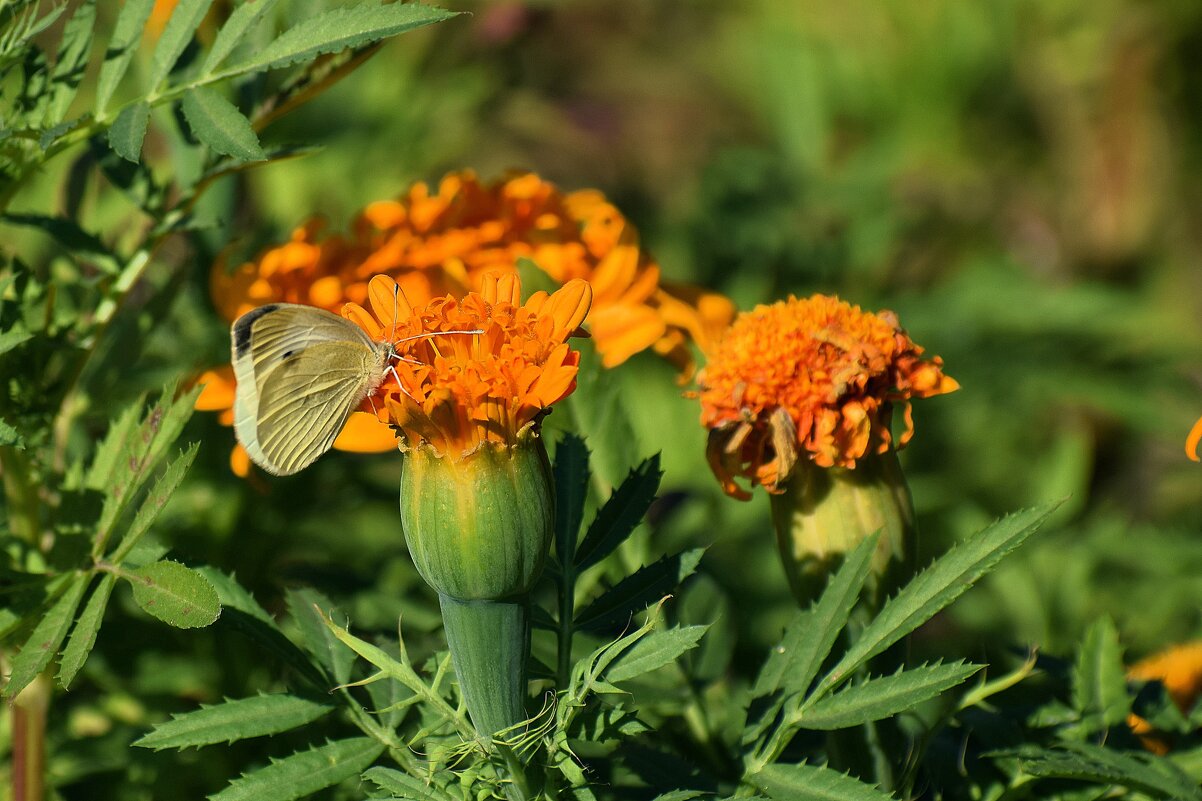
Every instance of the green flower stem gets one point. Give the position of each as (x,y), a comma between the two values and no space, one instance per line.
(489,641)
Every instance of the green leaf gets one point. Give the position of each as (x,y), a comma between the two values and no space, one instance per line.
(794,663)
(240,22)
(1099,678)
(156,499)
(127,31)
(304,772)
(240,611)
(638,590)
(239,719)
(83,636)
(10,436)
(657,649)
(402,785)
(71,236)
(601,414)
(331,653)
(174,594)
(219,124)
(128,131)
(936,587)
(879,698)
(1139,771)
(175,37)
(72,61)
(814,783)
(571,490)
(46,638)
(338,29)
(619,516)
(12,338)
(104,463)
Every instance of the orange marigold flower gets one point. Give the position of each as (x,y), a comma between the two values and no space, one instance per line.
(1191,441)
(1179,669)
(483,368)
(445,241)
(816,378)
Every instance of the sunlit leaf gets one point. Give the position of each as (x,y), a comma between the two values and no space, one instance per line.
(128,130)
(219,124)
(83,635)
(304,772)
(234,720)
(126,33)
(174,594)
(46,638)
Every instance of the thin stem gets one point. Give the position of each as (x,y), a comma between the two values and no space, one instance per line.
(29,741)
(20,495)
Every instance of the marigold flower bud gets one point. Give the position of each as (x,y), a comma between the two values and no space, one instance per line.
(479,527)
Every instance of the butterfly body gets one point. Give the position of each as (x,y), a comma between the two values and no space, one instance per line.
(300,372)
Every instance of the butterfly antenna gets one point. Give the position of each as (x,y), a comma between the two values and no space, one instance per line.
(400,386)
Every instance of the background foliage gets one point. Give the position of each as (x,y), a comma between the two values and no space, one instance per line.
(1014,178)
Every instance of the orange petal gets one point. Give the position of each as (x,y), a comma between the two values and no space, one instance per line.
(622,331)
(359,316)
(218,392)
(385,298)
(364,433)
(569,306)
(240,461)
(1191,442)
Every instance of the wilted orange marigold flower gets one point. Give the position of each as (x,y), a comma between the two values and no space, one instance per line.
(814,378)
(455,391)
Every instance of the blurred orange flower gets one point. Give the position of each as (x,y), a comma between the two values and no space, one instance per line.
(814,378)
(1191,441)
(435,243)
(1179,669)
(479,369)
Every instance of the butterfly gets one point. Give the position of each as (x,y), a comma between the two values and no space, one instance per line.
(301,371)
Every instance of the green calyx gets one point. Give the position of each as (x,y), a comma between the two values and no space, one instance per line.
(825,512)
(479,527)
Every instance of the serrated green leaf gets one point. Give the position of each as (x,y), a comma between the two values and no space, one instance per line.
(936,587)
(621,513)
(241,20)
(155,500)
(128,130)
(1138,771)
(240,719)
(81,244)
(219,124)
(638,590)
(884,697)
(571,490)
(240,611)
(71,62)
(185,19)
(127,31)
(338,29)
(403,785)
(46,638)
(794,663)
(304,772)
(174,594)
(328,650)
(657,649)
(83,635)
(109,452)
(814,783)
(1099,677)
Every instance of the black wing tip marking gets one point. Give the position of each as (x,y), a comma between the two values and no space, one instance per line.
(243,325)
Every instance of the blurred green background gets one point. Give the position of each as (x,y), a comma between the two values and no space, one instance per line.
(1015,178)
